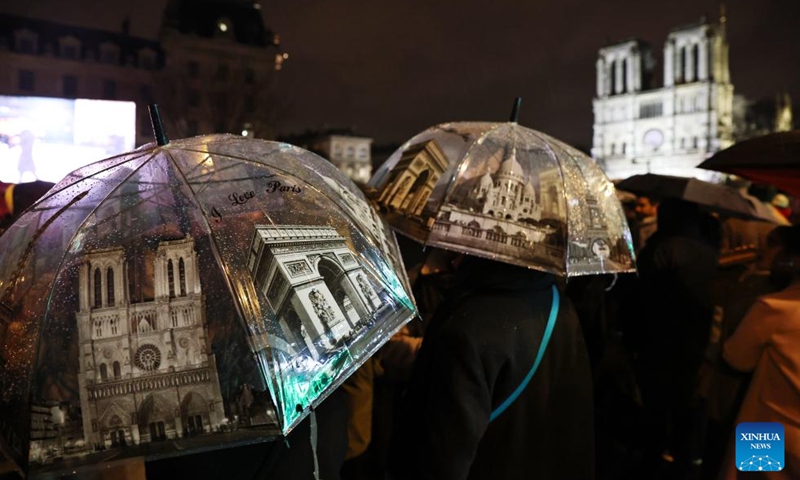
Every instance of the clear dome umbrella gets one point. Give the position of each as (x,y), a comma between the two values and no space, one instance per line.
(204,292)
(507,193)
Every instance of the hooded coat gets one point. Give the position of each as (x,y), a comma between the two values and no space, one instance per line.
(479,347)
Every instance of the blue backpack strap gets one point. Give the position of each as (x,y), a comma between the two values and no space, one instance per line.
(548,331)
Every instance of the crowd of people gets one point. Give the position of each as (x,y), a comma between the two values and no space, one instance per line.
(516,373)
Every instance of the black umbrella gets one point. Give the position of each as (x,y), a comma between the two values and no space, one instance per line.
(773,159)
(718,198)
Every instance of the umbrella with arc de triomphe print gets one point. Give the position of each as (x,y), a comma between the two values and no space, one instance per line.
(203,292)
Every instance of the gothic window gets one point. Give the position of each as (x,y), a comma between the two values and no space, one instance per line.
(103,372)
(98,288)
(147,357)
(624,76)
(682,71)
(613,70)
(171,279)
(117,370)
(98,328)
(623,148)
(694,142)
(182,276)
(114,325)
(696,61)
(613,149)
(110,286)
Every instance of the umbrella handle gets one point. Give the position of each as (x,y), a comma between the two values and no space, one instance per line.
(158,125)
(515,110)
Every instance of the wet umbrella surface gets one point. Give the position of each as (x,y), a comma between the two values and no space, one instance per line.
(198,294)
(508,193)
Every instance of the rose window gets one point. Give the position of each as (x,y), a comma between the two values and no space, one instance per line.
(148,357)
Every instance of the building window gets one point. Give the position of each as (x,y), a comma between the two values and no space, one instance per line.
(612,76)
(171,279)
(624,145)
(222,73)
(26,41)
(249,76)
(182,276)
(613,149)
(70,86)
(650,110)
(696,61)
(684,63)
(69,52)
(624,76)
(337,151)
(694,143)
(98,288)
(117,370)
(351,152)
(110,287)
(193,69)
(103,372)
(109,89)
(362,152)
(27,80)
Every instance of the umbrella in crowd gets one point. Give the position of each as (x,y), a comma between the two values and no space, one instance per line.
(723,199)
(204,292)
(508,193)
(772,159)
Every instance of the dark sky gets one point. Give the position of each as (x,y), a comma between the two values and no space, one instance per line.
(392,68)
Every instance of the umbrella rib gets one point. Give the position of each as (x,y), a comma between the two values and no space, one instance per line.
(218,257)
(566,198)
(53,192)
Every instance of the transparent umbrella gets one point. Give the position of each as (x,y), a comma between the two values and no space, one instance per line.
(507,193)
(203,292)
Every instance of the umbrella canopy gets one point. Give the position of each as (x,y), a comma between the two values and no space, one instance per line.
(773,159)
(715,197)
(205,292)
(507,193)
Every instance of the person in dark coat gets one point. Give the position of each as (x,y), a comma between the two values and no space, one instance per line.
(677,268)
(479,348)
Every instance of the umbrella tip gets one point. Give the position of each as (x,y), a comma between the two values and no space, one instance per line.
(515,110)
(158,125)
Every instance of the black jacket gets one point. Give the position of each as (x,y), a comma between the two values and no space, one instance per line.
(478,349)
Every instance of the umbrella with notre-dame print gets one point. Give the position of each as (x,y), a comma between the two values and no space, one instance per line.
(187,295)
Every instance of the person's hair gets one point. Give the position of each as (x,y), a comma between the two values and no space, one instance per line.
(762,191)
(676,215)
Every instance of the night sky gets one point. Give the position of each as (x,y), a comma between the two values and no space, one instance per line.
(390,69)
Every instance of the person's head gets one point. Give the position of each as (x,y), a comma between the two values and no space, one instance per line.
(676,216)
(646,207)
